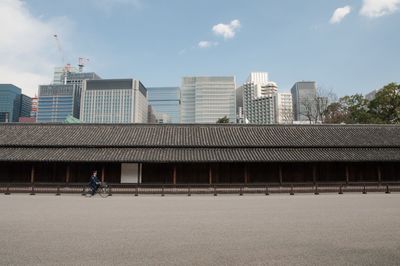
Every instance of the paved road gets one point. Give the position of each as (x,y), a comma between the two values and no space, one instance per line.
(352,229)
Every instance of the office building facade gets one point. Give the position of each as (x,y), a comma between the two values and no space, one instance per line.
(283,108)
(114,101)
(57,102)
(34,108)
(304,94)
(207,99)
(258,99)
(13,104)
(165,103)
(63,98)
(25,106)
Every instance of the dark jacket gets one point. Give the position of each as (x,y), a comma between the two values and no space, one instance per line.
(94,181)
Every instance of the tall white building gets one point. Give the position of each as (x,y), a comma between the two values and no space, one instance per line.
(262,104)
(283,108)
(207,99)
(114,101)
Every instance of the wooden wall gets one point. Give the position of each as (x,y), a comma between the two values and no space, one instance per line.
(205,173)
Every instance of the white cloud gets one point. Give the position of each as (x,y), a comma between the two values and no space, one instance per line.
(378,8)
(228,31)
(339,14)
(28,52)
(207,44)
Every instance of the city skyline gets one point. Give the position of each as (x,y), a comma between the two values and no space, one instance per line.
(338,44)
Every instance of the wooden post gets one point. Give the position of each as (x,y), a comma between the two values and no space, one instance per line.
(314,174)
(379,175)
(347,174)
(209,174)
(245,174)
(140,172)
(67,175)
(103,171)
(54,176)
(33,174)
(280,174)
(174,175)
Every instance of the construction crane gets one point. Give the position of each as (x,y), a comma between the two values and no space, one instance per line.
(59,48)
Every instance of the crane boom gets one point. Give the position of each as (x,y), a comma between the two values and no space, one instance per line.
(59,48)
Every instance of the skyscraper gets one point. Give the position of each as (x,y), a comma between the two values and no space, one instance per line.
(283,108)
(25,106)
(13,104)
(63,98)
(304,94)
(258,99)
(262,103)
(114,101)
(57,102)
(206,99)
(165,103)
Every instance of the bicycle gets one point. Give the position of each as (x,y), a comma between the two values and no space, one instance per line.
(103,190)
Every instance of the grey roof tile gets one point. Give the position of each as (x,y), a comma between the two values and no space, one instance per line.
(198,143)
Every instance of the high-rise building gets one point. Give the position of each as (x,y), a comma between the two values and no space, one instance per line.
(77,78)
(283,108)
(262,103)
(26,106)
(61,74)
(13,104)
(207,99)
(63,98)
(165,103)
(57,102)
(9,102)
(304,94)
(258,99)
(239,105)
(114,101)
(35,102)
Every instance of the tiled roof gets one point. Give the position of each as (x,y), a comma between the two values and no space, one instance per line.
(215,135)
(167,155)
(198,143)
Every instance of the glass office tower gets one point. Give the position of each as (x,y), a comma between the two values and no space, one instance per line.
(57,102)
(207,99)
(13,104)
(165,103)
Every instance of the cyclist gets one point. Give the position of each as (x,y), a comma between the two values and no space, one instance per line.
(94,182)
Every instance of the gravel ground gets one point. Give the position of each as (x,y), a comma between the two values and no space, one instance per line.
(350,229)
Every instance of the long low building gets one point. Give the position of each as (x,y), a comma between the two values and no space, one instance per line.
(199,153)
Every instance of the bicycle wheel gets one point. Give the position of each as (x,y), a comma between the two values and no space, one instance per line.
(87,191)
(104,191)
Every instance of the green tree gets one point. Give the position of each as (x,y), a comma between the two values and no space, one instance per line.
(386,104)
(223,120)
(355,109)
(352,109)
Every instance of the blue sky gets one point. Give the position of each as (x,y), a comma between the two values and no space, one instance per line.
(157,41)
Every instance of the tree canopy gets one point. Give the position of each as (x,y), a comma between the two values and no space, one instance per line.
(223,120)
(355,109)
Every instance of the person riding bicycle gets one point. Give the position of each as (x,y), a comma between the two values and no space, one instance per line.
(94,182)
